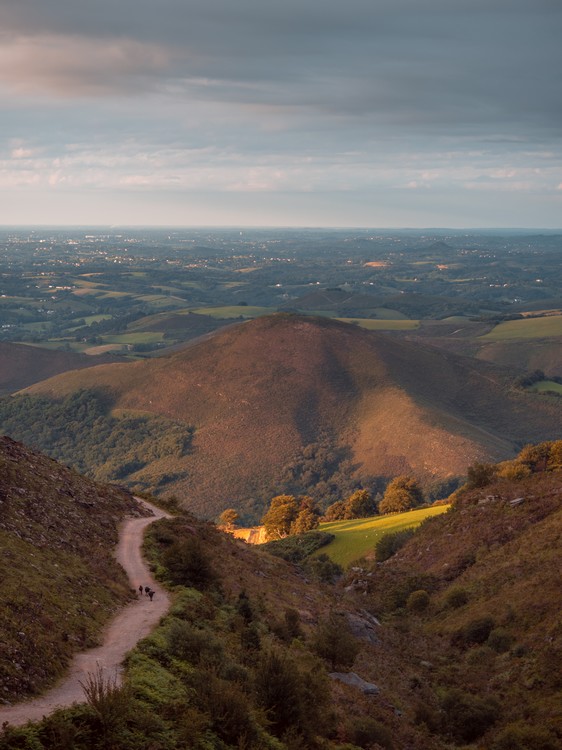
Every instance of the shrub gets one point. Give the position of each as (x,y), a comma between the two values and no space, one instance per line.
(335,642)
(480,475)
(322,568)
(192,645)
(476,632)
(365,731)
(188,564)
(500,640)
(389,544)
(466,717)
(418,601)
(456,597)
(520,736)
(513,471)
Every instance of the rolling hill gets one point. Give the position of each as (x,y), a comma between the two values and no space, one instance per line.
(22,365)
(293,402)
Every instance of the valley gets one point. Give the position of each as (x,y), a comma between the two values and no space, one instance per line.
(210,370)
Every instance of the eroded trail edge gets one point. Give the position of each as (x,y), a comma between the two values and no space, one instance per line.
(130,625)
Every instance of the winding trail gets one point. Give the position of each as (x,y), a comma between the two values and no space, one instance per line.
(132,623)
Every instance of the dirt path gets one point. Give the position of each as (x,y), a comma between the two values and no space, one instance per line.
(132,623)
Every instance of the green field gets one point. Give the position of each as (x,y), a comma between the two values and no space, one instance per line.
(143,337)
(526,328)
(544,386)
(383,325)
(234,311)
(354,539)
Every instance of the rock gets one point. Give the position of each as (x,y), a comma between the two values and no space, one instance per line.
(350,678)
(362,627)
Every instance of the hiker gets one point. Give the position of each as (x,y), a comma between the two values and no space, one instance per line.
(140,590)
(151,594)
(146,590)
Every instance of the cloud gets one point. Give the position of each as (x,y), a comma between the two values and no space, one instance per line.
(79,66)
(398,96)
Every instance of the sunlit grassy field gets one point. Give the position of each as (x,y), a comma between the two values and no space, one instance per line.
(356,538)
(547,385)
(526,328)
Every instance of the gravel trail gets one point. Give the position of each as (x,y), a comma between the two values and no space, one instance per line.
(132,623)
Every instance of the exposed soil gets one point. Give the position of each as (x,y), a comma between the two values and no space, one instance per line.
(132,623)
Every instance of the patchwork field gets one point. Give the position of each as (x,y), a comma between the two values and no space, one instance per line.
(527,328)
(355,539)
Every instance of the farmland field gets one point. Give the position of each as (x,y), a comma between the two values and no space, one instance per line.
(356,538)
(546,386)
(527,328)
(383,325)
(234,311)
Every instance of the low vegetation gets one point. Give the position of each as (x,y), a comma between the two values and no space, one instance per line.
(60,582)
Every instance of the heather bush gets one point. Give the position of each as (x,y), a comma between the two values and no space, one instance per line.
(389,544)
(523,736)
(418,601)
(466,717)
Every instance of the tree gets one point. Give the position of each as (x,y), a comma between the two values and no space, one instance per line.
(335,642)
(401,494)
(281,515)
(308,517)
(228,518)
(480,475)
(335,511)
(359,505)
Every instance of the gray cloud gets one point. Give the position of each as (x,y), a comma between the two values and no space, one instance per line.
(363,95)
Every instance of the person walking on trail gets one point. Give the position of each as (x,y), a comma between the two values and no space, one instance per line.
(151,594)
(140,590)
(146,590)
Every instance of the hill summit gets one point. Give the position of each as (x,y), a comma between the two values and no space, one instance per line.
(289,402)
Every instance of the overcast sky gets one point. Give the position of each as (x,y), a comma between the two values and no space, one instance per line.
(378,113)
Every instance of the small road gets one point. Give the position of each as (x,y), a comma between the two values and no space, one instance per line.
(132,623)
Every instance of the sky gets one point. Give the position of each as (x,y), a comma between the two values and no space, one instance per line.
(355,113)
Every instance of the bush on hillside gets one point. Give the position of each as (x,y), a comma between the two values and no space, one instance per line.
(322,568)
(456,597)
(334,642)
(390,543)
(523,736)
(418,601)
(480,475)
(466,717)
(365,732)
(297,548)
(474,632)
(188,564)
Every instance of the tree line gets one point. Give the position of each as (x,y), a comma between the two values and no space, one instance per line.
(288,515)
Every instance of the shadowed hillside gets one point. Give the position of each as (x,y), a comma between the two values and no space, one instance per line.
(477,590)
(22,365)
(60,582)
(292,402)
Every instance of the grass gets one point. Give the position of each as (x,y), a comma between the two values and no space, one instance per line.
(527,328)
(546,386)
(143,337)
(233,311)
(383,325)
(354,539)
